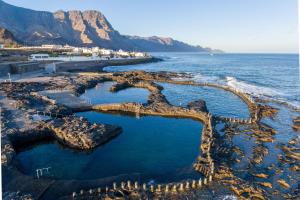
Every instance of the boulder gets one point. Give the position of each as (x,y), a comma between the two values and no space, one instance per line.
(199,105)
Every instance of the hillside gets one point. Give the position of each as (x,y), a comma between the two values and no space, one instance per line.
(87,28)
(6,37)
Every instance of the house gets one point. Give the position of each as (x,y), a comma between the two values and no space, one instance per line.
(123,53)
(38,57)
(139,54)
(95,49)
(106,52)
(51,46)
(77,51)
(87,51)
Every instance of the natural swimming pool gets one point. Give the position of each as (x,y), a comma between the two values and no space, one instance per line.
(218,102)
(156,148)
(101,94)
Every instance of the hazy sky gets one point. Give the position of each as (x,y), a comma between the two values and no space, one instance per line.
(230,25)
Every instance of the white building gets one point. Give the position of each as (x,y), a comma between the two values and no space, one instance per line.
(106,52)
(1,46)
(95,49)
(139,54)
(87,50)
(123,53)
(77,51)
(52,46)
(38,57)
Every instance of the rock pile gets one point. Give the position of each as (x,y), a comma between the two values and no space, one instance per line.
(78,133)
(199,105)
(296,124)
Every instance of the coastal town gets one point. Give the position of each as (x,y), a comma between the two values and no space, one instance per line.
(26,60)
(67,53)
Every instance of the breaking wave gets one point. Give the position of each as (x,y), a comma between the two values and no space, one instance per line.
(252,89)
(198,77)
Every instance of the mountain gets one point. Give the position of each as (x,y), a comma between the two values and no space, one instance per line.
(88,28)
(6,37)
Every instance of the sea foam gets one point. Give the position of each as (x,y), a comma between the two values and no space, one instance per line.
(254,90)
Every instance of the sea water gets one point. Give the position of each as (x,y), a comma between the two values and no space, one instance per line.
(263,75)
(157,148)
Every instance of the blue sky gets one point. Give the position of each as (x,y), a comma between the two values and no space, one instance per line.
(230,25)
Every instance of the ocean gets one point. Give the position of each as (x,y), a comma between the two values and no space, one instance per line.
(274,76)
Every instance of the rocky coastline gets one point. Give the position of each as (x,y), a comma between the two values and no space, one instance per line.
(26,101)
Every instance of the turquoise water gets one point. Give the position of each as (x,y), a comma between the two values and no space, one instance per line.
(218,101)
(156,147)
(101,94)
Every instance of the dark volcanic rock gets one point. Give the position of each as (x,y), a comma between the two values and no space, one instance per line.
(199,105)
(78,133)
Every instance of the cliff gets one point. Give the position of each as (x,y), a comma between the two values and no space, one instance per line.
(87,28)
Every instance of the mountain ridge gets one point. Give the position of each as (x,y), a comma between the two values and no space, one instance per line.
(79,28)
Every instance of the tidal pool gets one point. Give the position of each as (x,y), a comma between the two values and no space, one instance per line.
(218,102)
(155,148)
(101,94)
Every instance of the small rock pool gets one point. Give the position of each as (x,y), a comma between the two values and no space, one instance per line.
(150,148)
(101,94)
(218,101)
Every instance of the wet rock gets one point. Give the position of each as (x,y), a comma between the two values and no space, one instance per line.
(16,196)
(261,175)
(295,168)
(283,183)
(199,105)
(290,152)
(296,124)
(267,111)
(79,133)
(7,152)
(259,152)
(266,184)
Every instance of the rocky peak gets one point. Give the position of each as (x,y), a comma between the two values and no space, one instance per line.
(97,19)
(60,15)
(87,28)
(6,37)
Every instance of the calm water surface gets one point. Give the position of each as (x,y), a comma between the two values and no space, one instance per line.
(218,102)
(101,94)
(156,147)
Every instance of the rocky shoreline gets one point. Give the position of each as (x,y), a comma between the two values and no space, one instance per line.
(23,100)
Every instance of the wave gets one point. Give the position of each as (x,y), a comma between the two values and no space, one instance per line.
(227,197)
(254,90)
(198,77)
(261,91)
